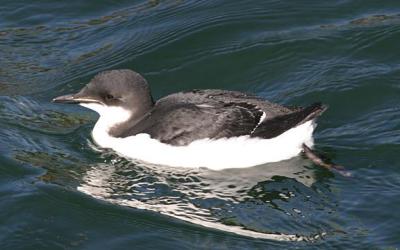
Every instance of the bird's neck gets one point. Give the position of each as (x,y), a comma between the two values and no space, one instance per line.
(108,119)
(112,120)
(115,120)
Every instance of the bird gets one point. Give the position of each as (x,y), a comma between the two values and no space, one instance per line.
(211,128)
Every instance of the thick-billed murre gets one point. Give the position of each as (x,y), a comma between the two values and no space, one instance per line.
(199,128)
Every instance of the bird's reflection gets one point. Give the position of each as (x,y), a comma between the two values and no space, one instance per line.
(224,200)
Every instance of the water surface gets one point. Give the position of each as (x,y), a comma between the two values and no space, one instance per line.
(59,191)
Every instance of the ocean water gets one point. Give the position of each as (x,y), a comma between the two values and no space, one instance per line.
(59,191)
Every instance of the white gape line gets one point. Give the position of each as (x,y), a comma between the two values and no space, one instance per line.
(237,152)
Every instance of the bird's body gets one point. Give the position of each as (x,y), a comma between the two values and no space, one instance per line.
(200,128)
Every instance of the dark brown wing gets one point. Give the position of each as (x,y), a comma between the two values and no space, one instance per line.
(200,96)
(182,123)
(181,118)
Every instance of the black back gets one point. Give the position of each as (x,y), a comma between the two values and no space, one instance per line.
(181,118)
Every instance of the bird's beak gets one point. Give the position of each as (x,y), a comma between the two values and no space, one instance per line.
(75,98)
(66,99)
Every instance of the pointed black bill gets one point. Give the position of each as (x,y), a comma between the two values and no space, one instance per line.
(74,99)
(66,99)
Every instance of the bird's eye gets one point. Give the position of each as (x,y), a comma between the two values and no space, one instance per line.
(109,97)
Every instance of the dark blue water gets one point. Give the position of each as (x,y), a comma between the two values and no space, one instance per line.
(60,191)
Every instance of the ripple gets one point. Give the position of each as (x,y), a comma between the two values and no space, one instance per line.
(379,127)
(25,112)
(342,53)
(223,200)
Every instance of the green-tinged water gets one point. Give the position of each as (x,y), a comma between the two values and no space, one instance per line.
(59,191)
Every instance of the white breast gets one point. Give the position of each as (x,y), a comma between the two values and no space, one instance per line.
(217,154)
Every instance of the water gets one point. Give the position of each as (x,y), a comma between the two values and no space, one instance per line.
(59,191)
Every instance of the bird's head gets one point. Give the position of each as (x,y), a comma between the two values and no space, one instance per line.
(116,94)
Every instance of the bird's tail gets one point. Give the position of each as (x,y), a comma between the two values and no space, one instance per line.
(276,126)
(313,111)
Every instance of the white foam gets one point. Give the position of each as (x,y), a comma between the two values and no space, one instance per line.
(237,152)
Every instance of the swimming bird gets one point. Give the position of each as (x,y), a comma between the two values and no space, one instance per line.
(199,128)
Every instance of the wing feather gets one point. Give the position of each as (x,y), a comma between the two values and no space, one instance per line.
(181,123)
